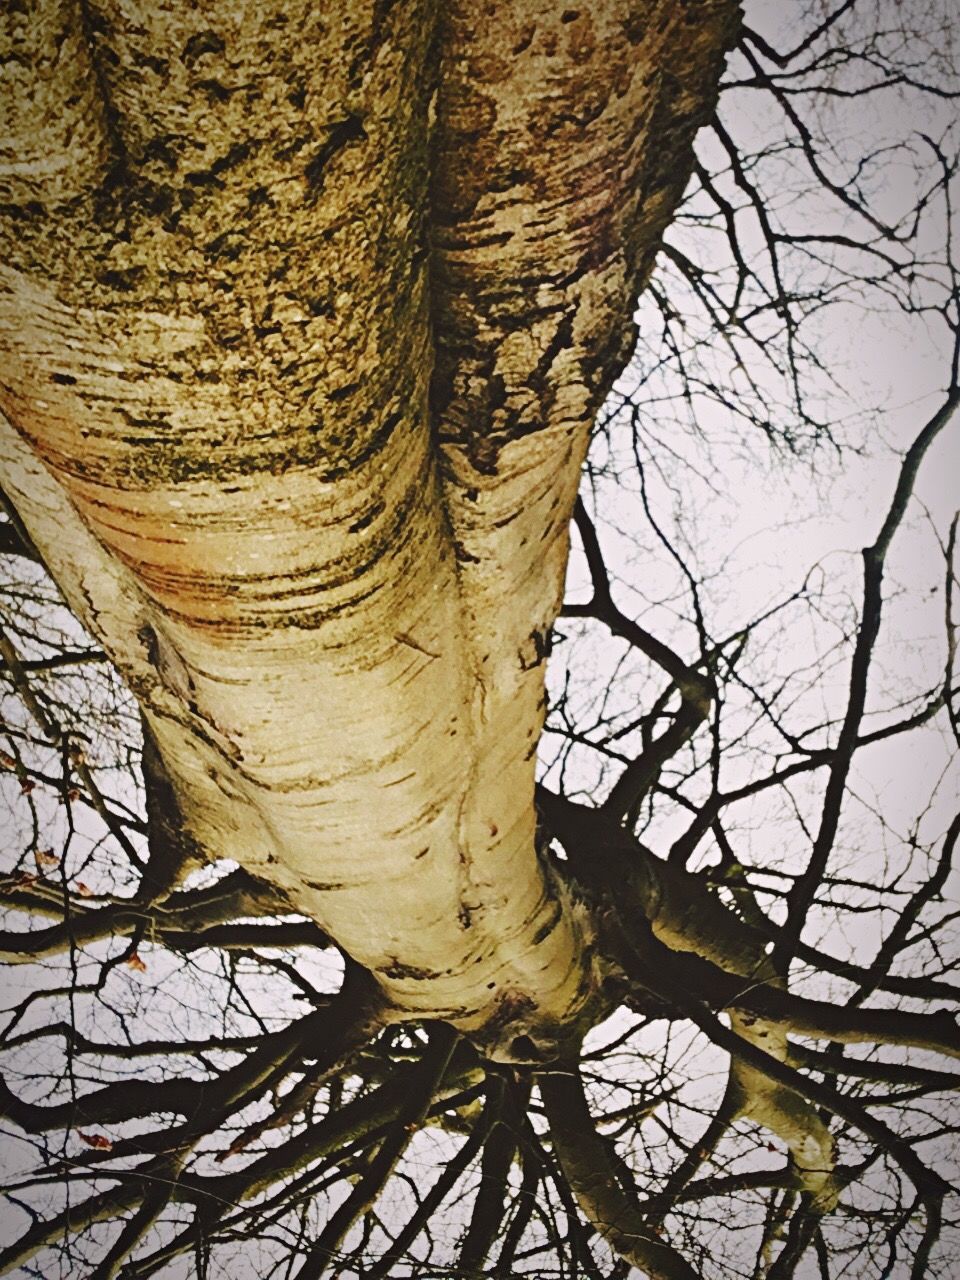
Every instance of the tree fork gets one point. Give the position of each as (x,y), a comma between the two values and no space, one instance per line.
(277,501)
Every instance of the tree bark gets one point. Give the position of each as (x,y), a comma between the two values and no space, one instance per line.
(304,319)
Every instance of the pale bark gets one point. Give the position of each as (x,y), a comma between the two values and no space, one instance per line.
(304,318)
(600,1180)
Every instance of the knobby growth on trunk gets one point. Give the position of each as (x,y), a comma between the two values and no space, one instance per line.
(308,321)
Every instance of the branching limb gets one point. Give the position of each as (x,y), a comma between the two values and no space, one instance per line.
(928,1182)
(525,1203)
(601,1182)
(802,893)
(452,1173)
(696,690)
(300,1163)
(156,1195)
(692,925)
(498,1155)
(701,1150)
(52,730)
(409,1119)
(183,921)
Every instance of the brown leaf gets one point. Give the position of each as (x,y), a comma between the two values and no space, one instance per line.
(99,1141)
(26,786)
(133,961)
(45,858)
(7,762)
(82,889)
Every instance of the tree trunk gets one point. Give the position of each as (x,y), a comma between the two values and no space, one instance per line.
(304,320)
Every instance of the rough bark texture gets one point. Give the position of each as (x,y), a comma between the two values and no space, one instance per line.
(304,318)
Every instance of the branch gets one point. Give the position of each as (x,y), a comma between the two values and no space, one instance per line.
(206,1103)
(684,845)
(452,1173)
(929,1184)
(784,59)
(685,912)
(48,725)
(508,1101)
(102,1207)
(344,1133)
(801,895)
(599,1179)
(697,691)
(820,1019)
(430,1072)
(897,938)
(183,921)
(157,1192)
(526,1203)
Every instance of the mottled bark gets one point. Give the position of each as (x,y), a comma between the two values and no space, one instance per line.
(304,319)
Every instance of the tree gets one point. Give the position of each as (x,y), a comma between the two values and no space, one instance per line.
(306,323)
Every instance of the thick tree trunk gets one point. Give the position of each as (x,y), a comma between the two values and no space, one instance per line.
(304,318)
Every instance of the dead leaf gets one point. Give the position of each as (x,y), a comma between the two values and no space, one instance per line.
(134,962)
(7,762)
(26,786)
(45,858)
(99,1141)
(82,889)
